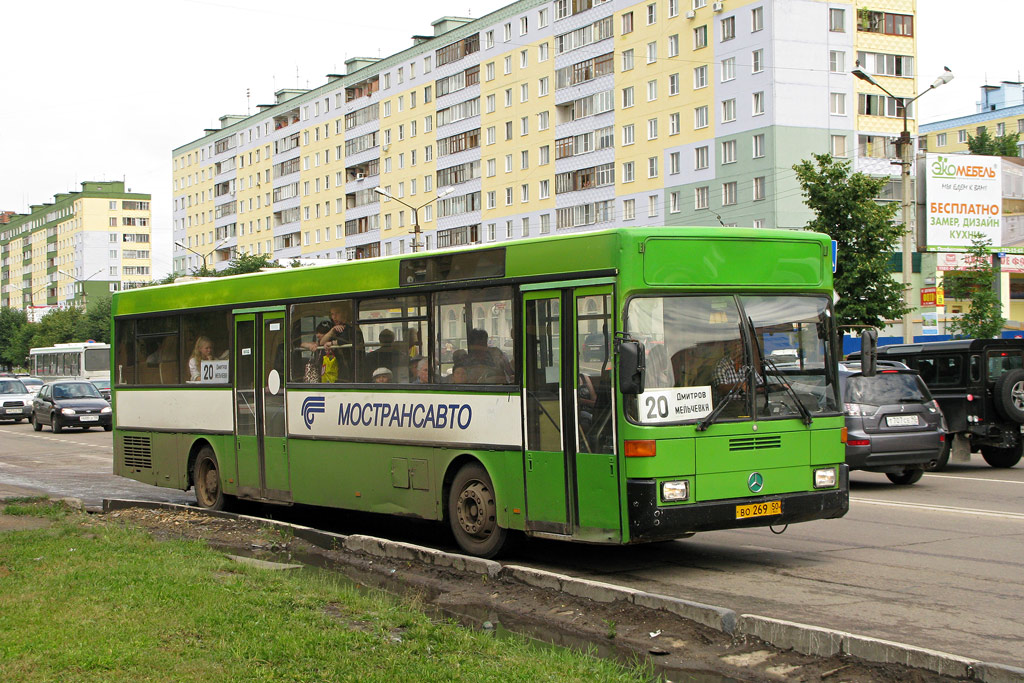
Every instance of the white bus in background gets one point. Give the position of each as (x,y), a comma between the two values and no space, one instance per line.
(75,360)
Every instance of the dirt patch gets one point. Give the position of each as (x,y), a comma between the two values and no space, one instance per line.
(677,648)
(20,523)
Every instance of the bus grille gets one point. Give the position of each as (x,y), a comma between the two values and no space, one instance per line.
(755,443)
(138,452)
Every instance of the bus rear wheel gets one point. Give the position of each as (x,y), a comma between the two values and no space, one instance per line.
(206,477)
(473,512)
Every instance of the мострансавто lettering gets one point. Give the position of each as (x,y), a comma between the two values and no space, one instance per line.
(415,415)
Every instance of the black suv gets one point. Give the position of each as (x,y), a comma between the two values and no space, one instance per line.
(979,383)
(894,426)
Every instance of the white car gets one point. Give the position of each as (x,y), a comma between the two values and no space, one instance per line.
(15,399)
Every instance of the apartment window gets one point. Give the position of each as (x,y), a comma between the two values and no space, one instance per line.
(961,137)
(700,77)
(490,104)
(700,117)
(543,119)
(628,172)
(489,71)
(837,61)
(545,223)
(508,196)
(627,23)
(839,145)
(885,22)
(673,163)
(673,84)
(673,202)
(542,87)
(837,103)
(700,197)
(728,69)
(544,155)
(508,130)
(1020,126)
(627,134)
(837,20)
(673,8)
(758,145)
(544,189)
(652,53)
(507,32)
(759,186)
(652,129)
(673,45)
(628,209)
(728,28)
(700,37)
(652,90)
(523,59)
(524,25)
(757,61)
(489,39)
(1000,129)
(673,123)
(940,140)
(491,135)
(756,19)
(627,97)
(627,60)
(508,163)
(508,65)
(524,92)
(492,200)
(652,167)
(700,157)
(542,52)
(652,205)
(542,18)
(524,193)
(729,110)
(729,151)
(652,13)
(729,193)
(758,103)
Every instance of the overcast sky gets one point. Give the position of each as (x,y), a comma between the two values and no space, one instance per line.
(105,90)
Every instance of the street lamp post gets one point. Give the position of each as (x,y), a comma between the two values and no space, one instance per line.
(85,295)
(906,154)
(415,211)
(202,256)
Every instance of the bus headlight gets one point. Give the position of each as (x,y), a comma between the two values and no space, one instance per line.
(675,490)
(67,411)
(825,479)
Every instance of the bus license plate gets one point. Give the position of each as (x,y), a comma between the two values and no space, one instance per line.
(901,421)
(766,509)
(90,418)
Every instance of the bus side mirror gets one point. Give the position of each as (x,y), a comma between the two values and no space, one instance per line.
(868,352)
(631,366)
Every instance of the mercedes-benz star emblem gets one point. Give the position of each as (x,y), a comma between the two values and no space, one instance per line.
(755,482)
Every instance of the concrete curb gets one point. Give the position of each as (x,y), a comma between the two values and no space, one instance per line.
(787,635)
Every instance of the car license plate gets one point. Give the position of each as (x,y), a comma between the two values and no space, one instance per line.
(766,509)
(13,410)
(90,418)
(901,420)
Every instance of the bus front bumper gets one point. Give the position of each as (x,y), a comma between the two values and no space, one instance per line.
(650,522)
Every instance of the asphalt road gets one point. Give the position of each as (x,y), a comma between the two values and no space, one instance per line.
(939,564)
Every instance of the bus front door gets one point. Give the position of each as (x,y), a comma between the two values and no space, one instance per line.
(571,470)
(261,445)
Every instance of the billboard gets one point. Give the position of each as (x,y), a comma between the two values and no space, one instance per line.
(963,201)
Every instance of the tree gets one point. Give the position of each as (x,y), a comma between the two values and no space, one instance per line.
(95,323)
(976,283)
(249,263)
(986,145)
(846,210)
(13,346)
(58,326)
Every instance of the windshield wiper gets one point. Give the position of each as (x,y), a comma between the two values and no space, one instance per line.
(770,364)
(747,371)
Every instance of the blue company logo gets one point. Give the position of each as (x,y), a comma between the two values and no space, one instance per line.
(755,482)
(312,405)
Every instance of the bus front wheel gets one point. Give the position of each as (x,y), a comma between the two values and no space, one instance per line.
(206,476)
(473,512)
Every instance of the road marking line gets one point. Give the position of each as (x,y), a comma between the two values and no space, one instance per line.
(998,481)
(940,508)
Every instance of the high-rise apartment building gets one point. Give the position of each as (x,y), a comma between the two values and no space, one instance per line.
(547,117)
(82,246)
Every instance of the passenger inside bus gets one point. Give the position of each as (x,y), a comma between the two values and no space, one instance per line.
(385,356)
(345,338)
(383,375)
(485,364)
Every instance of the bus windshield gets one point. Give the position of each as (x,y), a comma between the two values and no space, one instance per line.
(760,354)
(97,360)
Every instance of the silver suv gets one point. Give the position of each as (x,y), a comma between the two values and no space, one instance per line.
(15,399)
(893,424)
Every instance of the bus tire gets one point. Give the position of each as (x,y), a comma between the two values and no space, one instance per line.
(1002,457)
(473,512)
(206,479)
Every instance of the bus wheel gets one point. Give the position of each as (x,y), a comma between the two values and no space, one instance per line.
(473,512)
(206,476)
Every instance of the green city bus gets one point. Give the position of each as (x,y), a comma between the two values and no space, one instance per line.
(621,386)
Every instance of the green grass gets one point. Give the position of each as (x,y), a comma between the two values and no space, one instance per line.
(89,600)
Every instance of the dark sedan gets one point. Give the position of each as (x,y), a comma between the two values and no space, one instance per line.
(70,404)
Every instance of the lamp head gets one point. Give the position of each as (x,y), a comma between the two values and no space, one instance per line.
(864,76)
(382,193)
(944,78)
(445,192)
